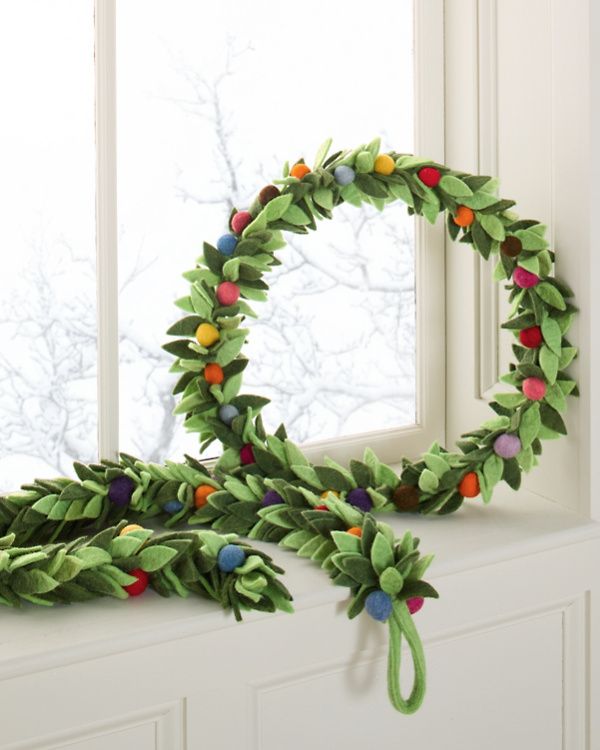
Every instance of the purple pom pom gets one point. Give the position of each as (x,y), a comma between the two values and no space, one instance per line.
(360,499)
(120,491)
(379,605)
(507,445)
(230,557)
(271,498)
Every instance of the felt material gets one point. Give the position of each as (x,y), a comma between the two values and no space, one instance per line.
(299,171)
(333,492)
(129,528)
(140,585)
(355,531)
(173,506)
(384,164)
(230,557)
(414,604)
(531,337)
(227,413)
(321,507)
(406,498)
(511,246)
(464,216)
(207,335)
(344,175)
(201,494)
(469,485)
(213,374)
(429,176)
(267,194)
(507,445)
(247,455)
(240,220)
(534,388)
(271,498)
(525,279)
(360,498)
(120,491)
(364,162)
(226,244)
(379,605)
(228,293)
(401,625)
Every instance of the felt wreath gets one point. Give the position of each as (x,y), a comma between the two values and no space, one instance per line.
(263,486)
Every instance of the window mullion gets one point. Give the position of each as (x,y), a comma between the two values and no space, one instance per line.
(106,228)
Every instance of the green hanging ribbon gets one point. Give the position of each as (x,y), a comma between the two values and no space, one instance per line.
(401,624)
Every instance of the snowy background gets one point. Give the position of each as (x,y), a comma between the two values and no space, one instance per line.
(211,101)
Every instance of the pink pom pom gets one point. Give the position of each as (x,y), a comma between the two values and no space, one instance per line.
(240,221)
(524,279)
(534,389)
(414,604)
(228,293)
(247,455)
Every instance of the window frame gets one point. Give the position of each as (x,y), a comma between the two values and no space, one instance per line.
(389,444)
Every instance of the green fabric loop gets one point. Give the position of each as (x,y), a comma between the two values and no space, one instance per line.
(401,623)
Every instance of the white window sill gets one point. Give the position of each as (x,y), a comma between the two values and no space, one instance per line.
(514,524)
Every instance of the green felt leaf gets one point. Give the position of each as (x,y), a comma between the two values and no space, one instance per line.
(530,239)
(552,419)
(364,162)
(307,474)
(493,469)
(552,335)
(296,216)
(231,269)
(529,426)
(90,557)
(332,479)
(229,350)
(124,546)
(239,490)
(548,363)
(531,264)
(550,295)
(32,582)
(556,398)
(324,197)
(346,542)
(201,304)
(256,225)
(295,457)
(455,187)
(428,481)
(567,355)
(402,192)
(322,152)
(359,569)
(438,465)
(391,581)
(493,226)
(510,400)
(382,553)
(370,186)
(276,208)
(155,557)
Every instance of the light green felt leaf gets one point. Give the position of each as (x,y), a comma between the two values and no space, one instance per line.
(552,335)
(391,581)
(531,264)
(492,226)
(296,216)
(276,208)
(322,152)
(155,557)
(382,553)
(436,464)
(556,398)
(91,557)
(550,295)
(257,225)
(346,542)
(324,197)
(493,469)
(295,457)
(428,481)
(307,474)
(232,386)
(510,400)
(567,355)
(548,363)
(455,187)
(239,490)
(530,425)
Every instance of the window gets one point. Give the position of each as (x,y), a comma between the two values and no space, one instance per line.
(209,103)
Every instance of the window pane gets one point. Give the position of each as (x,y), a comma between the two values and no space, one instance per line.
(212,100)
(47,295)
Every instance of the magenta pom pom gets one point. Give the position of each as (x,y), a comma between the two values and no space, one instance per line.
(240,221)
(507,445)
(228,293)
(534,389)
(525,279)
(414,604)
(247,455)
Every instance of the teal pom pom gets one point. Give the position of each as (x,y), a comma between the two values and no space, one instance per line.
(227,413)
(344,175)
(230,557)
(226,244)
(379,605)
(173,506)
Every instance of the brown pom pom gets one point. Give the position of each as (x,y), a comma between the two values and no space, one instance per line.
(511,246)
(406,498)
(267,194)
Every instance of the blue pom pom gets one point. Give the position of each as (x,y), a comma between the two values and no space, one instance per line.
(344,175)
(379,605)
(226,244)
(230,557)
(173,506)
(227,413)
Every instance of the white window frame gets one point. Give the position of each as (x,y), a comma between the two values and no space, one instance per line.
(389,444)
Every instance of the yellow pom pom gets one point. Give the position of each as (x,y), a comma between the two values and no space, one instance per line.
(130,527)
(384,164)
(207,334)
(333,492)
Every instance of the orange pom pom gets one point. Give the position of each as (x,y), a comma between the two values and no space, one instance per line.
(469,485)
(130,527)
(384,164)
(333,492)
(299,170)
(213,373)
(355,530)
(201,494)
(464,216)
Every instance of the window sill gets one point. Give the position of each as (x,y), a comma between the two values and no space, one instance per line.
(515,524)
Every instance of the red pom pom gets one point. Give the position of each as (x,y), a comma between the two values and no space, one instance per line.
(531,337)
(321,507)
(228,293)
(414,604)
(240,221)
(139,586)
(247,455)
(429,176)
